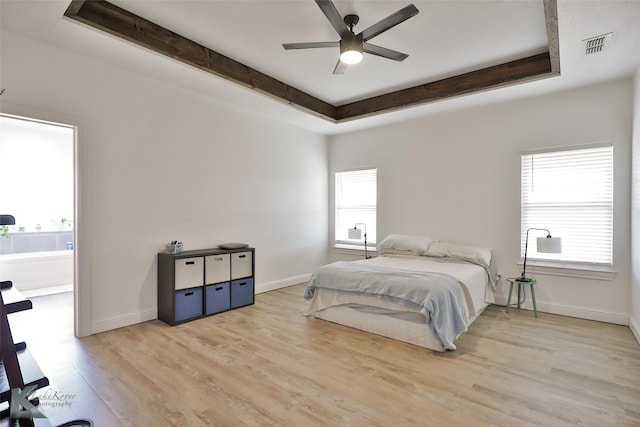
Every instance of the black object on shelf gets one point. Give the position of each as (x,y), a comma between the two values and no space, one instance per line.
(7,220)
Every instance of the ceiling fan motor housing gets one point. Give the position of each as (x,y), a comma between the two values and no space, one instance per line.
(351,42)
(351,49)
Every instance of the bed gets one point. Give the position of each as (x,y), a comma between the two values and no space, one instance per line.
(416,290)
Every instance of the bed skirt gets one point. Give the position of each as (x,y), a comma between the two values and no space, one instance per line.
(378,316)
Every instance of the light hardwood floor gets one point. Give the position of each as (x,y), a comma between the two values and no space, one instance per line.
(267,365)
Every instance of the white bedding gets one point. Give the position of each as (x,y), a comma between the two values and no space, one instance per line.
(373,314)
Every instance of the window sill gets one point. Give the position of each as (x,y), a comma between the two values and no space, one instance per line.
(583,271)
(353,249)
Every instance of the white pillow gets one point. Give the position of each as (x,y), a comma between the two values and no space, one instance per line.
(415,244)
(391,251)
(474,254)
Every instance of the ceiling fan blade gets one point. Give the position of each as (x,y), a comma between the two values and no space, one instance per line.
(332,14)
(384,52)
(340,67)
(389,22)
(309,45)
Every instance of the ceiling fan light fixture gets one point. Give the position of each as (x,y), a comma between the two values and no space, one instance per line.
(351,50)
(350,57)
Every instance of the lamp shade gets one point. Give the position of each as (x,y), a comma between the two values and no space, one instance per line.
(549,245)
(355,233)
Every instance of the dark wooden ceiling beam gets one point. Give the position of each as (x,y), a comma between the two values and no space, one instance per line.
(553,45)
(107,17)
(518,71)
(121,23)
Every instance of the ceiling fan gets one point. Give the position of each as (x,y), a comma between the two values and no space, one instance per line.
(352,45)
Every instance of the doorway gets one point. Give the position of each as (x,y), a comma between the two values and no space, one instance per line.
(37,188)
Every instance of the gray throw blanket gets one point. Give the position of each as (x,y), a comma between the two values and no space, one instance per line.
(438,296)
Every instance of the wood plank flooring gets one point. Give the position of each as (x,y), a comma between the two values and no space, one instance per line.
(267,365)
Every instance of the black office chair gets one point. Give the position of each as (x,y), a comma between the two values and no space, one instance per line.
(7,220)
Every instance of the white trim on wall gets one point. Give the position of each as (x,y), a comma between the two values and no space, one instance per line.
(634,321)
(152,314)
(81,273)
(122,321)
(569,310)
(282,283)
(635,328)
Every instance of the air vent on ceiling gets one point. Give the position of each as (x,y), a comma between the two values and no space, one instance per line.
(596,44)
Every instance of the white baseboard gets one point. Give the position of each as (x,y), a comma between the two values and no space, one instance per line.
(579,312)
(50,290)
(277,284)
(572,311)
(151,314)
(635,328)
(122,321)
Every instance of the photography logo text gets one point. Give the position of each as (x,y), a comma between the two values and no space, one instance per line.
(22,406)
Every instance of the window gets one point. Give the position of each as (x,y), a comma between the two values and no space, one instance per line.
(570,193)
(356,196)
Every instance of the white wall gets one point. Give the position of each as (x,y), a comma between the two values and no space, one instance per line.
(634,321)
(40,158)
(158,163)
(456,177)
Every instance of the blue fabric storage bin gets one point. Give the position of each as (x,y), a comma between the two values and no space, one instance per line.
(242,292)
(217,298)
(188,303)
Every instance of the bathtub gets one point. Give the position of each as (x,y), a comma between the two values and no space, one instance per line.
(38,273)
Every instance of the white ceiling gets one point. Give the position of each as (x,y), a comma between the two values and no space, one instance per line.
(446,38)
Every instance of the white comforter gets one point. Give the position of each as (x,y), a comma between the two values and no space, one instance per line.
(438,295)
(473,280)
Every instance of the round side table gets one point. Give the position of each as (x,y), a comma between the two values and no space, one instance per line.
(517,280)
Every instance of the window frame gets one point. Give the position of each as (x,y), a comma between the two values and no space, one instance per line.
(348,244)
(570,268)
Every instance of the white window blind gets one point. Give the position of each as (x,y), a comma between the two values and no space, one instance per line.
(570,193)
(356,198)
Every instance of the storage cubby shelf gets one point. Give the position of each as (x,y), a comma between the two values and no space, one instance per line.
(199,283)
